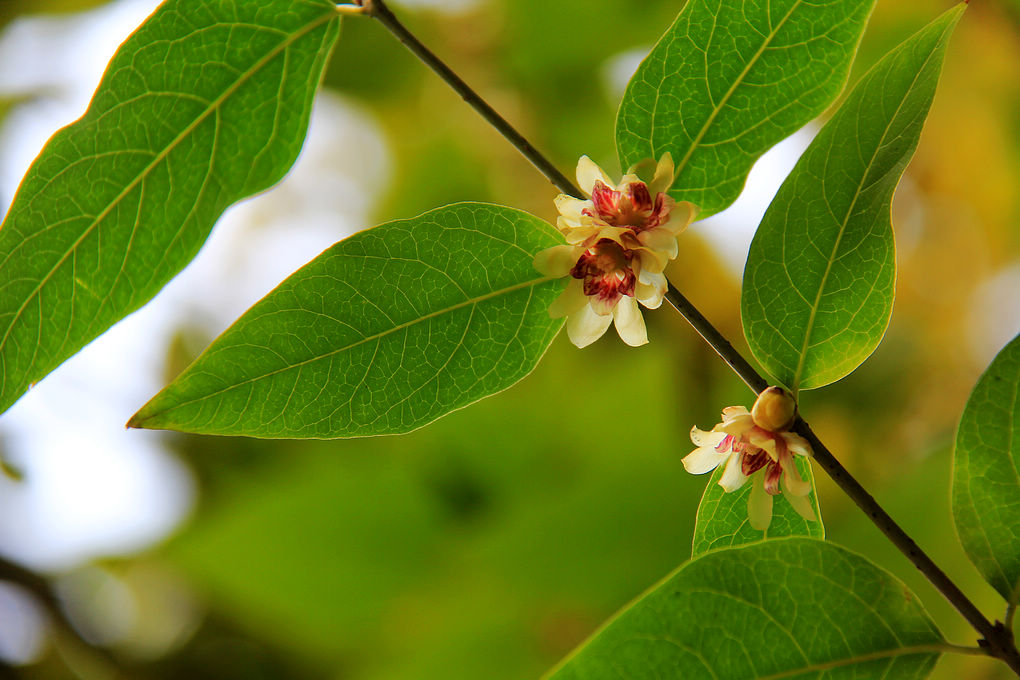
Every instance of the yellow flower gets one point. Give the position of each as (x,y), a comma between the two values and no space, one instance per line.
(749,441)
(618,243)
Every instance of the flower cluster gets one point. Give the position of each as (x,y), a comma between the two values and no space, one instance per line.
(747,442)
(618,243)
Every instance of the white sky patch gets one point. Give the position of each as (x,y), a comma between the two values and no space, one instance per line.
(730,231)
(618,69)
(994,314)
(91,487)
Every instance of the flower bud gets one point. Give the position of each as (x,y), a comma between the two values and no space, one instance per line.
(774,410)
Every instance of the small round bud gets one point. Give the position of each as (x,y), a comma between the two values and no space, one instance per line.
(774,410)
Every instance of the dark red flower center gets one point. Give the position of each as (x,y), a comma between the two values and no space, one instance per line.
(606,270)
(753,458)
(633,207)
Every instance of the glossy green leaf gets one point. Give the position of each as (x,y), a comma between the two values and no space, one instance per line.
(986,481)
(728,80)
(205,104)
(722,517)
(820,276)
(380,334)
(789,608)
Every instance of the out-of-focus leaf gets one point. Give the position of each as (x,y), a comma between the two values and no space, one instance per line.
(793,607)
(722,517)
(384,332)
(728,80)
(488,547)
(986,485)
(205,104)
(820,276)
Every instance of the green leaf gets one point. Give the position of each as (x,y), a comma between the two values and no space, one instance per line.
(205,104)
(986,474)
(728,80)
(789,608)
(380,334)
(820,276)
(722,517)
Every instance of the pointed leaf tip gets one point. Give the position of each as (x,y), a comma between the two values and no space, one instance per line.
(380,334)
(821,270)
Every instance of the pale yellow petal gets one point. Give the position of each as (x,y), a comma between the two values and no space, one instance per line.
(803,506)
(648,295)
(733,476)
(759,505)
(566,226)
(733,412)
(792,482)
(704,459)
(738,425)
(797,444)
(768,445)
(588,173)
(585,326)
(558,260)
(570,207)
(629,322)
(664,175)
(579,235)
(652,262)
(570,300)
(651,278)
(680,217)
(618,234)
(661,241)
(709,438)
(603,306)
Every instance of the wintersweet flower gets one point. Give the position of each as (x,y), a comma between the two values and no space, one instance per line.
(619,241)
(751,441)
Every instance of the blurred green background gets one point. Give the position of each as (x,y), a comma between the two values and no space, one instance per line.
(492,542)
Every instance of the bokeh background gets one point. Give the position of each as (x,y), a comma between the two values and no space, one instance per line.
(492,542)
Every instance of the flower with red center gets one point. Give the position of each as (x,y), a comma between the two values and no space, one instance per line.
(618,243)
(747,442)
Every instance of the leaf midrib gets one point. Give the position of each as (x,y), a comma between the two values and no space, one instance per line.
(159,158)
(137,422)
(729,93)
(812,314)
(863,658)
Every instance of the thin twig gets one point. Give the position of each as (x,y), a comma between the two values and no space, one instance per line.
(715,339)
(997,639)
